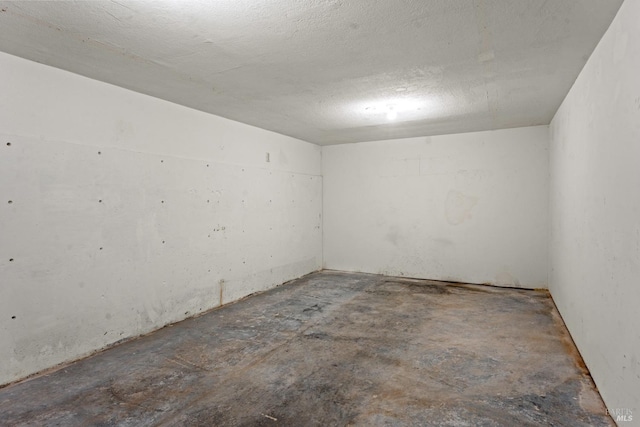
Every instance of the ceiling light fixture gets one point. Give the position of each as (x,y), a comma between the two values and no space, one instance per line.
(399,108)
(392,114)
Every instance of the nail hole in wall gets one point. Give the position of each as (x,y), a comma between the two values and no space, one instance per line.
(10,259)
(99,152)
(10,201)
(100,201)
(13,317)
(8,144)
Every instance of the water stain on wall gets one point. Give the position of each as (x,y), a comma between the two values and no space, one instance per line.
(393,235)
(458,207)
(505,278)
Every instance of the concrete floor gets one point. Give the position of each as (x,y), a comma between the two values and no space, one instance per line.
(333,349)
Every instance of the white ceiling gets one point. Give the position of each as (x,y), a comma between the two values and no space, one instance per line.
(326,71)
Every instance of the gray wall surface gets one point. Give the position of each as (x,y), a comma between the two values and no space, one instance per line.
(122,213)
(595,212)
(468,207)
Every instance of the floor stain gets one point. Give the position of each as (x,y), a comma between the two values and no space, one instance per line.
(333,349)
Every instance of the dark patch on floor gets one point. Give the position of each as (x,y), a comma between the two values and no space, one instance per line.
(333,349)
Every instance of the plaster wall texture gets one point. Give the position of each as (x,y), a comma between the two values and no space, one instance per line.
(122,213)
(467,207)
(595,212)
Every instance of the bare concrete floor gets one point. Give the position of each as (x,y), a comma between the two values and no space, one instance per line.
(333,349)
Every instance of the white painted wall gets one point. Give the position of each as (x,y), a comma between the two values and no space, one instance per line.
(467,207)
(595,212)
(128,213)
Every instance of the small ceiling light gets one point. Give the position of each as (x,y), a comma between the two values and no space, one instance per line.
(392,114)
(399,108)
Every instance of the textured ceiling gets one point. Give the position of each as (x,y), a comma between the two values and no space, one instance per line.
(326,71)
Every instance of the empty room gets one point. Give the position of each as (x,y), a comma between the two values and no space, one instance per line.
(320,213)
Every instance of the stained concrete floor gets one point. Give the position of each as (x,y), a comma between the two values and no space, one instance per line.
(333,349)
